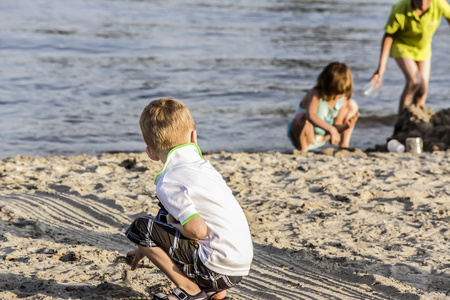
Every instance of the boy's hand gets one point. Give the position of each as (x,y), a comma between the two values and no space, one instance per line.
(138,256)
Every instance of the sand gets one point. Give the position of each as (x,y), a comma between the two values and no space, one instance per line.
(330,225)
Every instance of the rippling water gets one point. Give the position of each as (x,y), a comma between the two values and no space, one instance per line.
(75,74)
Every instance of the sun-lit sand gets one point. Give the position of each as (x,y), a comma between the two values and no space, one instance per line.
(337,225)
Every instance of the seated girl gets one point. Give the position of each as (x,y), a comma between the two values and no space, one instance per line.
(327,112)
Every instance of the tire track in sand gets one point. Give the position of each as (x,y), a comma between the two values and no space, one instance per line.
(275,274)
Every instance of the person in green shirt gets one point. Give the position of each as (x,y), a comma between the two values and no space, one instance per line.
(408,34)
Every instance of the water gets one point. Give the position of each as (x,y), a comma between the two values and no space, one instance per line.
(75,74)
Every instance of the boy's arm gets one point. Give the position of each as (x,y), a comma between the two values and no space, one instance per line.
(194,229)
(445,10)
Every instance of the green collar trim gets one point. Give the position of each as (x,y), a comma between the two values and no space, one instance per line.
(175,148)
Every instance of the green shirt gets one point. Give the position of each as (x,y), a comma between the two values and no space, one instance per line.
(412,34)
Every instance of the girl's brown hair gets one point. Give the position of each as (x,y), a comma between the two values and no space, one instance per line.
(335,79)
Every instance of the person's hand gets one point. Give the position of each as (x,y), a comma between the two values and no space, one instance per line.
(377,78)
(335,137)
(138,256)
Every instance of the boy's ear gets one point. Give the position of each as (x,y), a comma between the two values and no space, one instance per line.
(194,136)
(151,154)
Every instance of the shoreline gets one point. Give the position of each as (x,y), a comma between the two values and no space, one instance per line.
(325,150)
(349,225)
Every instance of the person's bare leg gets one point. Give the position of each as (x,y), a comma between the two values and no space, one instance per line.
(163,262)
(350,111)
(303,131)
(413,81)
(306,136)
(422,92)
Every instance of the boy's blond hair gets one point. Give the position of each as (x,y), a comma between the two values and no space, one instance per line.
(165,123)
(335,79)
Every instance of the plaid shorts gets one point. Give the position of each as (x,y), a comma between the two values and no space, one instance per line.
(155,232)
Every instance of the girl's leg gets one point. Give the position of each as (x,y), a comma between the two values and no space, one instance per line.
(348,112)
(424,70)
(303,131)
(414,81)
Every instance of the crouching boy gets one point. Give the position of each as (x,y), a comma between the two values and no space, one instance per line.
(200,238)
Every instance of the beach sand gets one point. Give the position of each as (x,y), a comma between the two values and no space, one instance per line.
(330,225)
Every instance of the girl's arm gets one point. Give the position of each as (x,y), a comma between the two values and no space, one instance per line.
(311,114)
(348,115)
(386,44)
(348,123)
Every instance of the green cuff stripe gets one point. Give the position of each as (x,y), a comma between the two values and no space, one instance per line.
(188,219)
